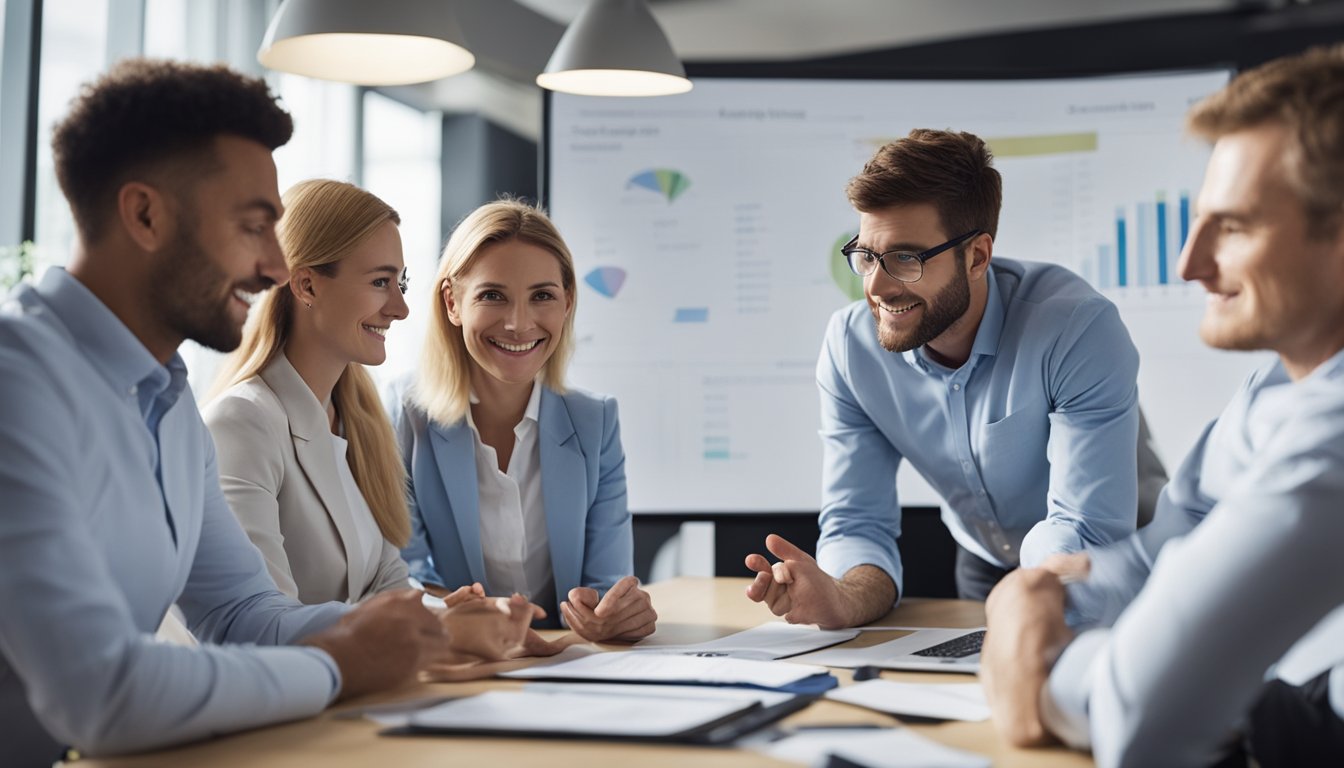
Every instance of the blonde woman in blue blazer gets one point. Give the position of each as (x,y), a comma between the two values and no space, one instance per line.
(517,483)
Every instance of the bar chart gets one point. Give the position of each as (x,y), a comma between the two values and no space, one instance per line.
(1145,248)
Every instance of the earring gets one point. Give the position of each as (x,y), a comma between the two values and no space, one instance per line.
(308,304)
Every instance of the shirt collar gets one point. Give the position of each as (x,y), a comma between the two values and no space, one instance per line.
(105,340)
(530,413)
(986,336)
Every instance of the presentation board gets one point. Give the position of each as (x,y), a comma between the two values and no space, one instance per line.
(705,228)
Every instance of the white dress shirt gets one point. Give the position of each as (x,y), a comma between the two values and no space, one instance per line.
(514,541)
(1259,569)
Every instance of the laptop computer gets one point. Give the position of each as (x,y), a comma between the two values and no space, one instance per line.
(922,650)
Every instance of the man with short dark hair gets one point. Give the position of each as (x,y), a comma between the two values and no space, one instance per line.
(1010,387)
(1242,560)
(112,509)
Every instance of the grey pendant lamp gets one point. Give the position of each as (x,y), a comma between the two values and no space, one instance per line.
(615,48)
(389,42)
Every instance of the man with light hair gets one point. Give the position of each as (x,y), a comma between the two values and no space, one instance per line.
(1242,561)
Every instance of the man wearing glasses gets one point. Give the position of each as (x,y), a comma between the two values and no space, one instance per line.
(1009,386)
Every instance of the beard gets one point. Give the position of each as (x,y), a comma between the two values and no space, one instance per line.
(192,293)
(940,312)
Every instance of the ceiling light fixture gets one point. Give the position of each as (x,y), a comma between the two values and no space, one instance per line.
(615,48)
(390,42)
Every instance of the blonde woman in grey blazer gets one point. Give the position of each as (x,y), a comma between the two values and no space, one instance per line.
(307,459)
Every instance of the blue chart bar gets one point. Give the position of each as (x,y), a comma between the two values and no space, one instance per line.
(1103,266)
(1185,218)
(691,315)
(1143,237)
(1161,239)
(1120,271)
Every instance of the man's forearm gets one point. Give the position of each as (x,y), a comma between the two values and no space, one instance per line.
(869,594)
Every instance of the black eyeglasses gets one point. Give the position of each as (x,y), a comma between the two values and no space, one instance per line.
(906,266)
(403,282)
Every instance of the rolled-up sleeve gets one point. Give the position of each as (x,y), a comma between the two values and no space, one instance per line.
(860,513)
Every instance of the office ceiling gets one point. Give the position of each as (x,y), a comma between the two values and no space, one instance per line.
(513,39)
(756,30)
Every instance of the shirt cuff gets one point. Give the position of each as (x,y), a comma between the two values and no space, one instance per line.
(839,557)
(1064,697)
(1047,538)
(1112,581)
(332,669)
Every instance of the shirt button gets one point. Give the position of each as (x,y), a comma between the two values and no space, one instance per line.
(956,387)
(965,465)
(1007,547)
(980,492)
(134,389)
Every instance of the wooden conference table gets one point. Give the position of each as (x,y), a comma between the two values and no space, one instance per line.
(689,610)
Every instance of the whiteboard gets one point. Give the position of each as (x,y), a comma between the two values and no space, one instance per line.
(705,230)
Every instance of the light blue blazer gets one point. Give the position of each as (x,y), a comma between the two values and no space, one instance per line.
(582,488)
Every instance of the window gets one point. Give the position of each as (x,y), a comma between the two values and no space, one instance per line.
(74,51)
(401,165)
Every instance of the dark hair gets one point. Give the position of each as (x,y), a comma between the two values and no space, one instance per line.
(1305,94)
(953,171)
(146,116)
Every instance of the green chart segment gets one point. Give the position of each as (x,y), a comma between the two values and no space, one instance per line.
(665,181)
(849,283)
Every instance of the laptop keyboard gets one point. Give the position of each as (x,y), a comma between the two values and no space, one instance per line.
(957,647)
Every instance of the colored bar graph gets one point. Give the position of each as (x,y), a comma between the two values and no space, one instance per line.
(1161,239)
(1121,273)
(1185,218)
(1143,243)
(1103,266)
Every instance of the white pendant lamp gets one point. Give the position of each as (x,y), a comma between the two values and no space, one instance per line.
(389,42)
(615,48)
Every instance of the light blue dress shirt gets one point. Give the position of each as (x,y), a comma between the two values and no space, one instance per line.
(1031,443)
(113,512)
(1240,564)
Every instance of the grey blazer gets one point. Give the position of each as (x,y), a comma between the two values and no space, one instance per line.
(279,474)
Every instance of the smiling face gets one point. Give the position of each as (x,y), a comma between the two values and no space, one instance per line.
(224,250)
(1270,285)
(910,315)
(358,298)
(511,306)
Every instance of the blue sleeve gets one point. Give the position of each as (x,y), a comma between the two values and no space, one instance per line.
(1094,428)
(609,540)
(1119,570)
(1187,659)
(417,553)
(860,513)
(90,676)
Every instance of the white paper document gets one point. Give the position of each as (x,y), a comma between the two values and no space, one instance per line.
(666,668)
(699,692)
(958,701)
(571,711)
(769,641)
(874,748)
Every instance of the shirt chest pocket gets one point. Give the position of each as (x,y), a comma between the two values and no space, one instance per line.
(1011,455)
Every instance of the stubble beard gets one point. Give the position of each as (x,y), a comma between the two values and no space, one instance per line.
(193,294)
(940,312)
